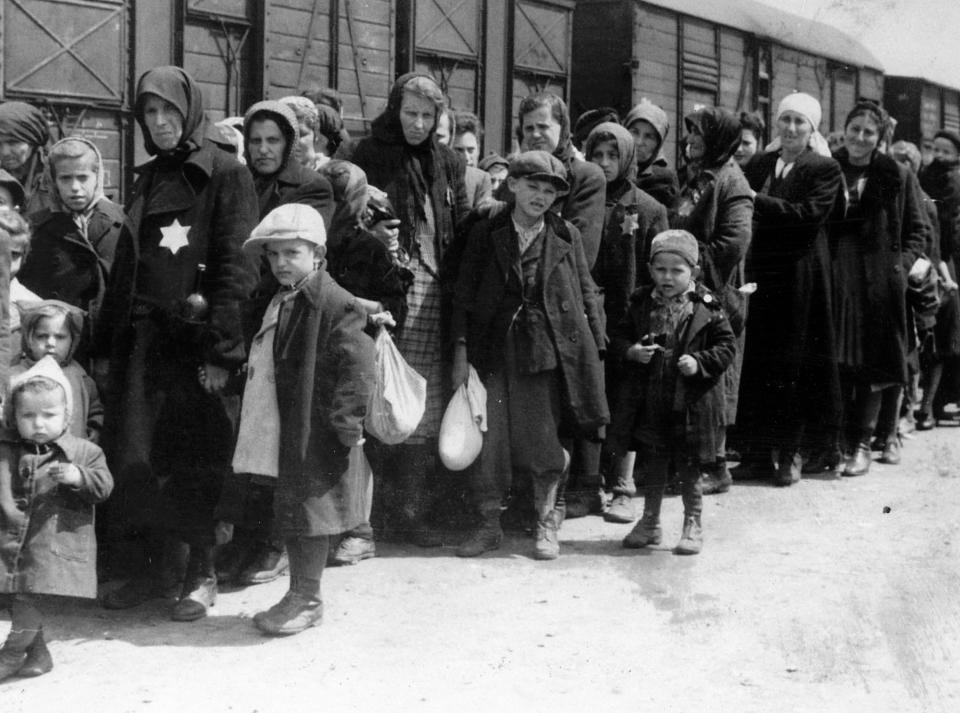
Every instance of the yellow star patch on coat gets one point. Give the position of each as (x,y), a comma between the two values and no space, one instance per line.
(629,223)
(174,236)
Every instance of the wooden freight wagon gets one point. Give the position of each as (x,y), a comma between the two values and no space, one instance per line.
(921,108)
(738,54)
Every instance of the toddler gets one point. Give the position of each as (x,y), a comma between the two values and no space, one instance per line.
(49,483)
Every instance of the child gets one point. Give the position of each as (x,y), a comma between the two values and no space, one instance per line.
(675,343)
(73,244)
(529,319)
(309,374)
(49,484)
(16,231)
(53,328)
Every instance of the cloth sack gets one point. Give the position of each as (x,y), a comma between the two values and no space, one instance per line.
(399,395)
(463,424)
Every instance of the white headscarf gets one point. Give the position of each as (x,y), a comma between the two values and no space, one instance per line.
(809,108)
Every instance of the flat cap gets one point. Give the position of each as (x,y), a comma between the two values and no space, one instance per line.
(292,221)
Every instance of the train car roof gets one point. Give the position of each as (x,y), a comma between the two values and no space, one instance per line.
(783,27)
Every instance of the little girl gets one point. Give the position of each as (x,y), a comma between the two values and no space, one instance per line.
(49,483)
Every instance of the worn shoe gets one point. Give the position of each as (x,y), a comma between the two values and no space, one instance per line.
(13,654)
(38,661)
(859,462)
(822,461)
(789,470)
(621,510)
(925,422)
(267,566)
(353,549)
(485,538)
(547,545)
(133,593)
(291,615)
(195,604)
(891,451)
(646,532)
(716,481)
(691,540)
(232,560)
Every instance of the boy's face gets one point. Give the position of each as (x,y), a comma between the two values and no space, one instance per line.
(6,199)
(76,181)
(671,274)
(533,197)
(41,415)
(290,260)
(607,156)
(51,336)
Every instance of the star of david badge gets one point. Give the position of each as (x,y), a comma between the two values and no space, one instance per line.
(174,236)
(629,223)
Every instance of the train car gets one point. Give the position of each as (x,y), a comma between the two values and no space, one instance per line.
(921,107)
(738,54)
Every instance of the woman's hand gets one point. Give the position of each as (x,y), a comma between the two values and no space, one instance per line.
(213,378)
(381,319)
(388,233)
(688,365)
(461,367)
(641,353)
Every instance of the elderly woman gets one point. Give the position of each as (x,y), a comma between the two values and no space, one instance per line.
(716,206)
(751,137)
(882,233)
(24,136)
(791,389)
(424,182)
(169,436)
(649,125)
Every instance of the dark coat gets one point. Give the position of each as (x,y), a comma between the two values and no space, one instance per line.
(324,364)
(299,184)
(660,181)
(790,363)
(873,248)
(584,205)
(47,541)
(942,183)
(571,302)
(62,265)
(709,339)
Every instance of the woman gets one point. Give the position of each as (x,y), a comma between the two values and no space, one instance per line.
(169,435)
(424,182)
(791,389)
(649,125)
(880,236)
(24,136)
(751,137)
(716,206)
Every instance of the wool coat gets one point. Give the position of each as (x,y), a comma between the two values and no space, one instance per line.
(708,338)
(324,366)
(47,540)
(790,376)
(873,246)
(570,301)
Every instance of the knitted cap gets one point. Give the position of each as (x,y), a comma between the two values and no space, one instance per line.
(291,221)
(677,242)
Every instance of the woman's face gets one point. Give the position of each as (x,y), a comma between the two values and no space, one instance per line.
(14,154)
(267,146)
(795,132)
(417,117)
(747,148)
(541,132)
(164,122)
(606,155)
(696,147)
(944,150)
(646,139)
(861,137)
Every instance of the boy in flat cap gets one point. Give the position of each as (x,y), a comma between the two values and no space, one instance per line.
(308,379)
(674,343)
(530,319)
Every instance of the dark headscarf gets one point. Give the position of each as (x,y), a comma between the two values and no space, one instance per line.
(24,122)
(720,130)
(589,120)
(330,126)
(421,163)
(177,87)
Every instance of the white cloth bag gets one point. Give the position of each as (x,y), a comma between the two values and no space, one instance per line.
(463,425)
(399,396)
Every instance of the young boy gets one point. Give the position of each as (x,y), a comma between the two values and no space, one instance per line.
(675,343)
(308,379)
(73,245)
(529,318)
(53,328)
(49,484)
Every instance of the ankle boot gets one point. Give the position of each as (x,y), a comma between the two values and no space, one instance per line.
(891,451)
(14,652)
(547,545)
(789,468)
(646,532)
(692,538)
(487,536)
(38,661)
(859,462)
(200,586)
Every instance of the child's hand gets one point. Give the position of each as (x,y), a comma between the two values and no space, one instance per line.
(688,365)
(222,532)
(641,353)
(65,474)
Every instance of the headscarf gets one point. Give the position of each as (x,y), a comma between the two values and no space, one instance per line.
(52,175)
(625,147)
(950,135)
(809,108)
(649,112)
(591,119)
(350,194)
(45,368)
(285,119)
(330,126)
(720,130)
(178,88)
(24,122)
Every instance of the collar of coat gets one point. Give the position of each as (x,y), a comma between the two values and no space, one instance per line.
(557,241)
(701,317)
(68,444)
(699,294)
(883,177)
(111,210)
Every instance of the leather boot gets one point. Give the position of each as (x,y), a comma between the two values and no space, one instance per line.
(891,451)
(200,587)
(646,532)
(547,545)
(716,479)
(691,540)
(859,463)
(789,468)
(487,536)
(14,652)
(38,661)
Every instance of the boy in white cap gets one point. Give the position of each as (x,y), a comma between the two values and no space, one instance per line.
(308,379)
(675,342)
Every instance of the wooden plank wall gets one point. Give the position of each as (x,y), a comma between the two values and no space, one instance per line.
(655,63)
(736,73)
